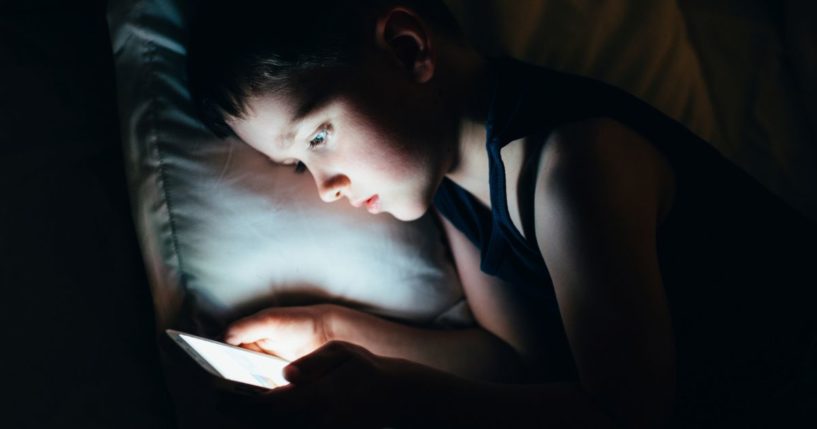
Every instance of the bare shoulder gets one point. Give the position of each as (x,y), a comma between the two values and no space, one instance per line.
(603,158)
(600,142)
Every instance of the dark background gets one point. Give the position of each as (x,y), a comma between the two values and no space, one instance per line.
(78,347)
(78,344)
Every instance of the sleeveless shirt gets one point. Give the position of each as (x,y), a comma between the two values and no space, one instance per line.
(736,261)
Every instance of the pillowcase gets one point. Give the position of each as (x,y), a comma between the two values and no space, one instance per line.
(225,232)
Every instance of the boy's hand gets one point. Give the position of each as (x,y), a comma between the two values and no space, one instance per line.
(288,332)
(344,385)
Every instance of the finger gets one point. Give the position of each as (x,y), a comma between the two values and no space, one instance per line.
(262,346)
(254,347)
(318,363)
(250,329)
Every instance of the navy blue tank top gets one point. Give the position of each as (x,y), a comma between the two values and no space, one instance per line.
(736,261)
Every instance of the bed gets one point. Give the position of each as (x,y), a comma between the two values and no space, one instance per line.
(224,233)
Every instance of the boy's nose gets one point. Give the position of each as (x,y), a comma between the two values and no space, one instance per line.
(333,188)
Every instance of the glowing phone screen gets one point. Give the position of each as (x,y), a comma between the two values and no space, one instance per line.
(240,365)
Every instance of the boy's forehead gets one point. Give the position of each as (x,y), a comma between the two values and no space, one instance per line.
(270,123)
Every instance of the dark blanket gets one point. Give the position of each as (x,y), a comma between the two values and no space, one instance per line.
(79,347)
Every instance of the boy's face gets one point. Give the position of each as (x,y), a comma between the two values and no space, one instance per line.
(376,141)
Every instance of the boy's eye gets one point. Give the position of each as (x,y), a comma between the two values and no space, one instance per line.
(319,138)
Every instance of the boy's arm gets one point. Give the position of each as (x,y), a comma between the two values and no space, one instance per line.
(344,385)
(601,194)
(502,348)
(505,346)
(473,353)
(500,309)
(292,332)
(603,190)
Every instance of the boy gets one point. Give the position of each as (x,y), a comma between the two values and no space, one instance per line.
(665,283)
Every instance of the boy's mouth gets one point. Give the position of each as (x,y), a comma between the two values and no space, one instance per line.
(373,204)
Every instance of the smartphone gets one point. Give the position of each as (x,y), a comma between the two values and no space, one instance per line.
(249,371)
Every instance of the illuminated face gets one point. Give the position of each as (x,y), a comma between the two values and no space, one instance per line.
(378,145)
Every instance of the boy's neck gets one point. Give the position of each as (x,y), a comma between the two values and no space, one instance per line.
(468,79)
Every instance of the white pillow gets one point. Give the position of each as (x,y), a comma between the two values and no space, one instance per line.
(225,232)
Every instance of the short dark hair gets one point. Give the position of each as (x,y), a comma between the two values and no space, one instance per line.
(242,48)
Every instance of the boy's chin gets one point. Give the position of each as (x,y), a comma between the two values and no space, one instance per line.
(408,214)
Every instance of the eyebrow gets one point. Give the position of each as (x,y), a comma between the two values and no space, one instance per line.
(308,106)
(316,96)
(310,103)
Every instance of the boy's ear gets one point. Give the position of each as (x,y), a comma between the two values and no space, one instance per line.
(404,36)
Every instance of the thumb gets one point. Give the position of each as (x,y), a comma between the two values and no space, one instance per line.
(250,329)
(318,363)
